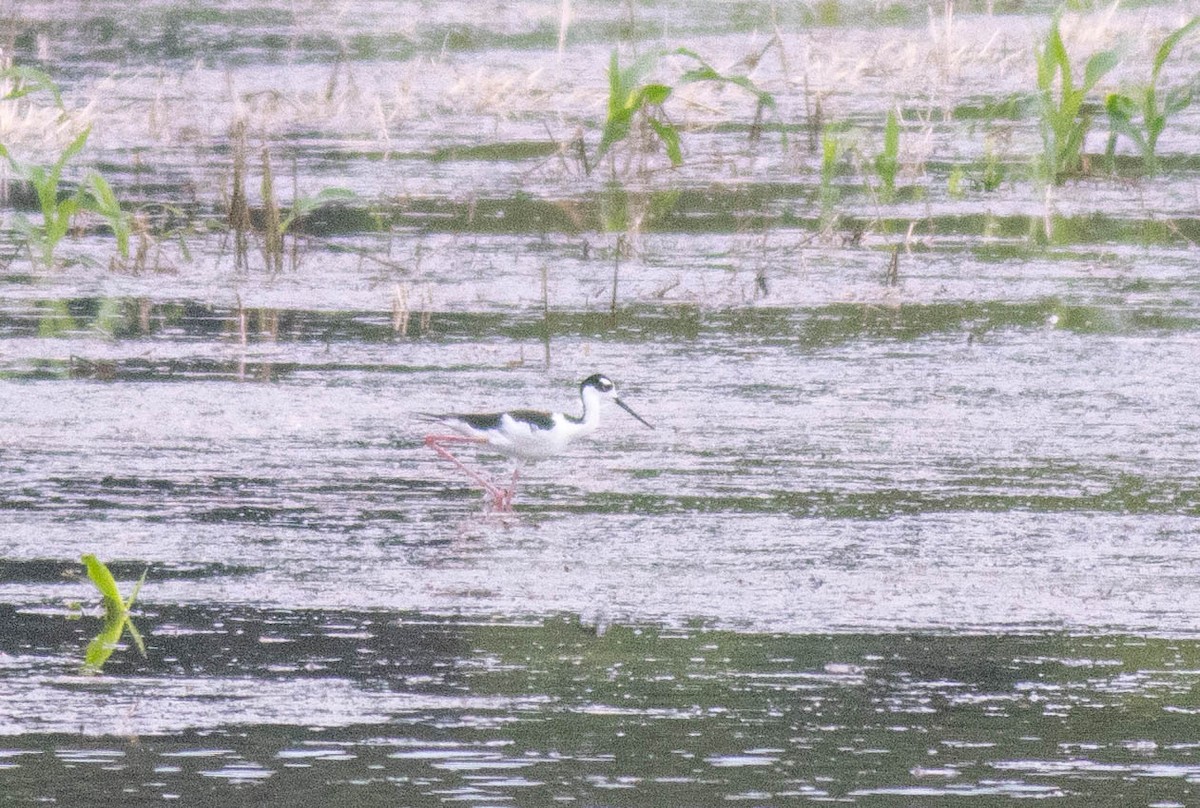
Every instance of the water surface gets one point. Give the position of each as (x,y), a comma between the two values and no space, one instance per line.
(916,522)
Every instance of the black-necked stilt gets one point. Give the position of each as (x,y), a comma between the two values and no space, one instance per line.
(524,435)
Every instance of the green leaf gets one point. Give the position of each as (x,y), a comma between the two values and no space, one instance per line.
(103,644)
(1121,109)
(100,575)
(669,135)
(655,94)
(116,615)
(891,136)
(1168,44)
(614,85)
(886,162)
(137,589)
(333,194)
(1099,64)
(632,76)
(831,148)
(101,200)
(1056,53)
(28,80)
(615,130)
(307,204)
(74,147)
(706,72)
(1177,99)
(137,637)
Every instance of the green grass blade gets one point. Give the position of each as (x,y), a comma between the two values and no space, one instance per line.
(1177,99)
(615,130)
(74,147)
(103,644)
(138,642)
(641,67)
(101,200)
(887,162)
(1168,44)
(28,80)
(1097,66)
(137,588)
(614,85)
(669,135)
(706,72)
(1056,53)
(100,575)
(654,94)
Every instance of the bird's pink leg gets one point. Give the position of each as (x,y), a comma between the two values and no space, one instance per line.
(501,498)
(510,493)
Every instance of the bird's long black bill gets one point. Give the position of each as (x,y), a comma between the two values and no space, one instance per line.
(629,410)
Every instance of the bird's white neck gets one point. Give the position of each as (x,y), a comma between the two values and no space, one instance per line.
(591,410)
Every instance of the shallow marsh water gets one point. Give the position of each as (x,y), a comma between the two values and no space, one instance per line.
(920,537)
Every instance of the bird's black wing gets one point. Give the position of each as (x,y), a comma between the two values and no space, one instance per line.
(539,419)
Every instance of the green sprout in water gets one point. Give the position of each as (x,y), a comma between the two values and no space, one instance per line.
(116,616)
(634,103)
(833,148)
(59,208)
(1123,110)
(1063,126)
(887,162)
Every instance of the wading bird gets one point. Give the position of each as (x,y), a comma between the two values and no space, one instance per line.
(523,435)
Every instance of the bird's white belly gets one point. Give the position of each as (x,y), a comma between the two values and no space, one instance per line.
(529,444)
(524,441)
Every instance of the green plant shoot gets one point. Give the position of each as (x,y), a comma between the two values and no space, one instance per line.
(98,198)
(116,615)
(629,98)
(1123,110)
(25,80)
(632,100)
(56,213)
(1063,127)
(887,162)
(832,149)
(59,209)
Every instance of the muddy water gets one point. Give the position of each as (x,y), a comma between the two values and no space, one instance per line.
(902,535)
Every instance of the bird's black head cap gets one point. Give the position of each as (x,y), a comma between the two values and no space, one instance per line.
(599,381)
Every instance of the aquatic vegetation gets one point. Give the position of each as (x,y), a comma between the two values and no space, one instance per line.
(238,213)
(1064,123)
(992,169)
(100,200)
(635,104)
(60,208)
(305,205)
(28,80)
(887,162)
(1137,115)
(116,615)
(273,224)
(832,149)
